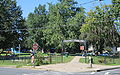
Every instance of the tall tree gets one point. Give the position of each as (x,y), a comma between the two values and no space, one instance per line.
(100,29)
(116,8)
(65,18)
(11,21)
(36,20)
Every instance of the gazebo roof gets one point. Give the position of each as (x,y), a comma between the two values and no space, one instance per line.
(74,40)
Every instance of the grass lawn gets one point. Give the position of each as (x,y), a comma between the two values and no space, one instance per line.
(23,54)
(18,54)
(102,60)
(63,59)
(15,63)
(5,54)
(24,62)
(57,59)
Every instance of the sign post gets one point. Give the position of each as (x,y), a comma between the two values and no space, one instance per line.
(19,51)
(118,49)
(34,47)
(90,61)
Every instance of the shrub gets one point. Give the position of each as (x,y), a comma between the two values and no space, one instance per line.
(39,59)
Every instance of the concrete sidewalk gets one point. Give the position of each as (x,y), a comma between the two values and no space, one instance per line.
(74,66)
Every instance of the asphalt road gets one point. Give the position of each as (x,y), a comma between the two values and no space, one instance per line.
(14,71)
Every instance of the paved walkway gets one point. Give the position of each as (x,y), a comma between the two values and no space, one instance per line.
(73,66)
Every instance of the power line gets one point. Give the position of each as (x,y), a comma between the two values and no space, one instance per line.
(51,26)
(58,25)
(89,2)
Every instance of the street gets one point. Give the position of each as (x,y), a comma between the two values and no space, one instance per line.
(18,71)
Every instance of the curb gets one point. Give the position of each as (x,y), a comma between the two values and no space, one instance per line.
(98,70)
(95,70)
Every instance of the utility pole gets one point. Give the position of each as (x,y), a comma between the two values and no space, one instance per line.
(19,51)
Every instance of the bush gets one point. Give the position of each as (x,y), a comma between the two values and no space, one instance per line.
(18,66)
(39,59)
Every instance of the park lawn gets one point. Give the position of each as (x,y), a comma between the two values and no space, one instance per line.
(12,63)
(25,62)
(28,54)
(68,59)
(17,54)
(15,62)
(5,54)
(62,59)
(104,60)
(58,59)
(23,54)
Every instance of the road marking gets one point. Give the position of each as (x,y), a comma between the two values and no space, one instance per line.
(69,73)
(107,73)
(92,73)
(25,74)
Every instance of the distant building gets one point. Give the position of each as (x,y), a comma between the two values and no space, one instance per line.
(91,48)
(118,48)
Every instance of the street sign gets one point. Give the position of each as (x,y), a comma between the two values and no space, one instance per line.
(35,46)
(118,49)
(81,47)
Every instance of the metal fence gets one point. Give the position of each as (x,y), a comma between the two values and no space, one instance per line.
(103,59)
(50,59)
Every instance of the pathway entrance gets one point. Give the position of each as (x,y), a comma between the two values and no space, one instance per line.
(73,66)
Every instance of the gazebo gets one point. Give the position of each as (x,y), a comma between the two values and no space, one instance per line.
(74,40)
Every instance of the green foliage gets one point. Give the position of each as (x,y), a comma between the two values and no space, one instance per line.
(38,19)
(2,38)
(99,28)
(62,21)
(18,66)
(108,49)
(39,60)
(116,8)
(111,61)
(1,50)
(10,19)
(117,25)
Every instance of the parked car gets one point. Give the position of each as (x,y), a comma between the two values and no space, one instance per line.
(90,54)
(11,50)
(104,54)
(25,50)
(7,51)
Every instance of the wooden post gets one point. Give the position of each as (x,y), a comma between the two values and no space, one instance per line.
(119,55)
(50,59)
(62,58)
(62,46)
(19,51)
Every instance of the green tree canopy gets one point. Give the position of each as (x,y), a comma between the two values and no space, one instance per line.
(66,19)
(36,20)
(62,21)
(99,27)
(10,21)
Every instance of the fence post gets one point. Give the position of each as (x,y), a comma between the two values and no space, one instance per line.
(50,59)
(91,61)
(119,56)
(3,59)
(25,59)
(13,58)
(113,58)
(55,58)
(62,58)
(105,60)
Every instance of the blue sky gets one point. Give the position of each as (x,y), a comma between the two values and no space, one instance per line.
(28,6)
